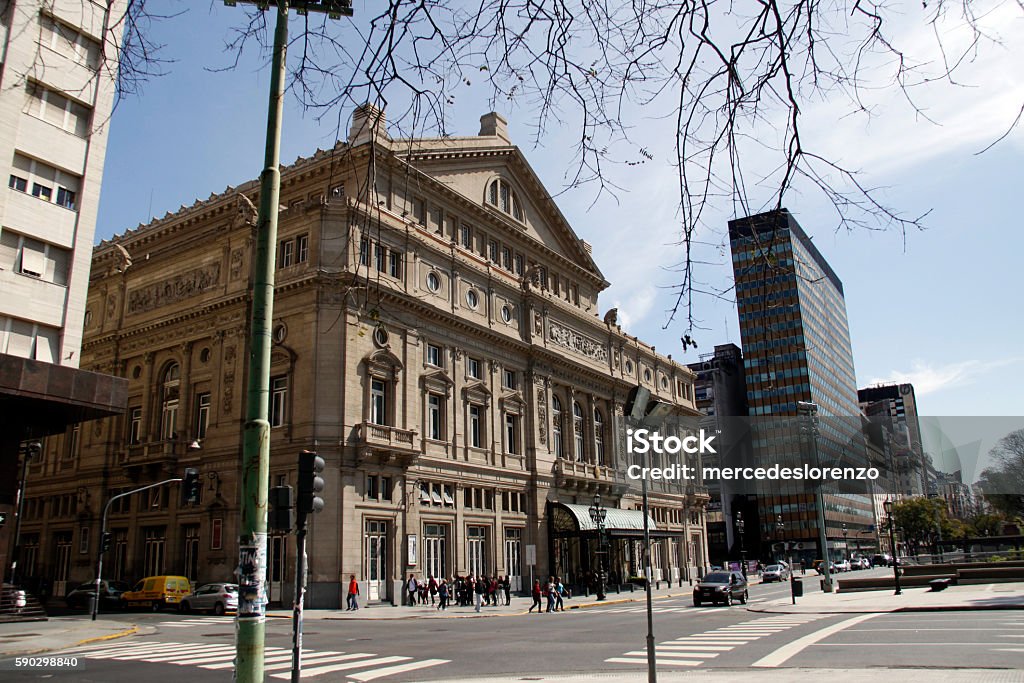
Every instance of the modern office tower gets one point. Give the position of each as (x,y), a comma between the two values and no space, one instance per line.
(720,394)
(796,349)
(434,340)
(899,403)
(57,83)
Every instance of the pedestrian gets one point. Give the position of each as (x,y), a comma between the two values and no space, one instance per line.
(492,592)
(442,596)
(432,587)
(550,590)
(536,596)
(506,586)
(423,592)
(353,594)
(479,591)
(559,592)
(412,588)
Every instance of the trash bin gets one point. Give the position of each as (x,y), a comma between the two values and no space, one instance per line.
(798,588)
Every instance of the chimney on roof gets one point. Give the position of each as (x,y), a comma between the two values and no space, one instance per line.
(494,125)
(367,122)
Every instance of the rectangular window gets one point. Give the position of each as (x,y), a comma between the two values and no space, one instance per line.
(492,251)
(512,433)
(42,191)
(434,356)
(435,417)
(378,402)
(302,248)
(509,379)
(380,258)
(506,258)
(202,414)
(364,252)
(372,491)
(66,198)
(518,264)
(65,40)
(337,191)
(466,236)
(395,264)
(418,211)
(216,533)
(473,368)
(18,183)
(287,253)
(58,110)
(385,488)
(476,426)
(278,401)
(134,425)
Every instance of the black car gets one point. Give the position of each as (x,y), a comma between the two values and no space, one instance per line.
(723,587)
(110,594)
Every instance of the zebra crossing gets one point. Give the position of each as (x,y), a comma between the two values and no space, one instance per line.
(356,666)
(641,609)
(697,649)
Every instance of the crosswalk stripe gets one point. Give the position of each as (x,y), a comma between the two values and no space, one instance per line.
(319,658)
(639,660)
(320,670)
(192,652)
(279,656)
(700,646)
(133,651)
(688,655)
(397,669)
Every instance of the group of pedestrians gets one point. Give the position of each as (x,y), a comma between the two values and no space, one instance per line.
(463,590)
(555,592)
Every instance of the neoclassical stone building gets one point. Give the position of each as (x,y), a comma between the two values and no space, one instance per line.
(436,340)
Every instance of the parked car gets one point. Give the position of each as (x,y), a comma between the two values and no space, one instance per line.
(775,572)
(157,592)
(215,597)
(842,565)
(863,563)
(723,587)
(881,560)
(110,594)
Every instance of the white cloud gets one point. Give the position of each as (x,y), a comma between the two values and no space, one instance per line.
(929,378)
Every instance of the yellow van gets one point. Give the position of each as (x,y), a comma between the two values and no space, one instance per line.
(157,592)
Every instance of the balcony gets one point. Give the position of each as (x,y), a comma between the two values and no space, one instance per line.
(152,458)
(388,442)
(587,477)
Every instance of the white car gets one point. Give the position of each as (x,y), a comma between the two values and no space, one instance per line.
(216,597)
(842,565)
(774,572)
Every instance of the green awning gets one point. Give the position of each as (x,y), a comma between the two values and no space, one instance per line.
(578,516)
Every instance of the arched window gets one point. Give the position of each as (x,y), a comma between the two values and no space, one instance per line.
(170,386)
(556,426)
(501,195)
(598,436)
(577,429)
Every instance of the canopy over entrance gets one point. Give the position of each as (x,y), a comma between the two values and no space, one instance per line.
(568,519)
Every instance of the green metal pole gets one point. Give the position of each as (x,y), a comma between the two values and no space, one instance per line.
(250,624)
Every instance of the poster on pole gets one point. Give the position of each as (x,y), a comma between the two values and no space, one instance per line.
(412,547)
(531,555)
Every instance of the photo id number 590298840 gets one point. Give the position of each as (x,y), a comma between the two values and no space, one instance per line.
(44,663)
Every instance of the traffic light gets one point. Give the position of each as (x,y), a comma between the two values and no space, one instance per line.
(282,509)
(310,483)
(105,541)
(190,487)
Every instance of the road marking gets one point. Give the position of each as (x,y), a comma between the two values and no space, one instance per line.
(789,650)
(308,660)
(696,646)
(1009,649)
(668,662)
(397,669)
(320,670)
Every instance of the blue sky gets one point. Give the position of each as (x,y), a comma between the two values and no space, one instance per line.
(940,310)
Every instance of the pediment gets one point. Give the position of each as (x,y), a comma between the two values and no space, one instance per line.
(437,381)
(470,172)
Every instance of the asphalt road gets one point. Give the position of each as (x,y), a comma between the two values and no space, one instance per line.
(607,638)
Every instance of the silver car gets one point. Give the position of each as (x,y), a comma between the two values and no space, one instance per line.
(775,572)
(214,597)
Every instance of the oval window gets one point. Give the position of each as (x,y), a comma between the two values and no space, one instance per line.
(647,375)
(629,367)
(380,336)
(506,314)
(472,299)
(433,282)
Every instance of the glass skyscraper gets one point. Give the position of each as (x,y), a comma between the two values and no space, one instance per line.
(796,348)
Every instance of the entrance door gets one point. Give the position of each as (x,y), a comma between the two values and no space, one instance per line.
(376,538)
(277,559)
(435,547)
(513,559)
(62,562)
(476,551)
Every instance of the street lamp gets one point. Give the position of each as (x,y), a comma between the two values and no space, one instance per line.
(743,552)
(597,515)
(809,428)
(29,452)
(892,544)
(846,548)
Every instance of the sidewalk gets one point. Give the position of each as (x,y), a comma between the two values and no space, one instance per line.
(979,597)
(780,675)
(31,637)
(518,606)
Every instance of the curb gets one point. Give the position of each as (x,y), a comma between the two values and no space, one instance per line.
(112,636)
(904,610)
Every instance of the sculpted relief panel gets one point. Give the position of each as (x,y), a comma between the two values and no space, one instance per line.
(574,341)
(178,288)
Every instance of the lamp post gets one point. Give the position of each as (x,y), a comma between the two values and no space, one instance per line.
(809,427)
(743,552)
(892,543)
(29,452)
(597,515)
(846,548)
